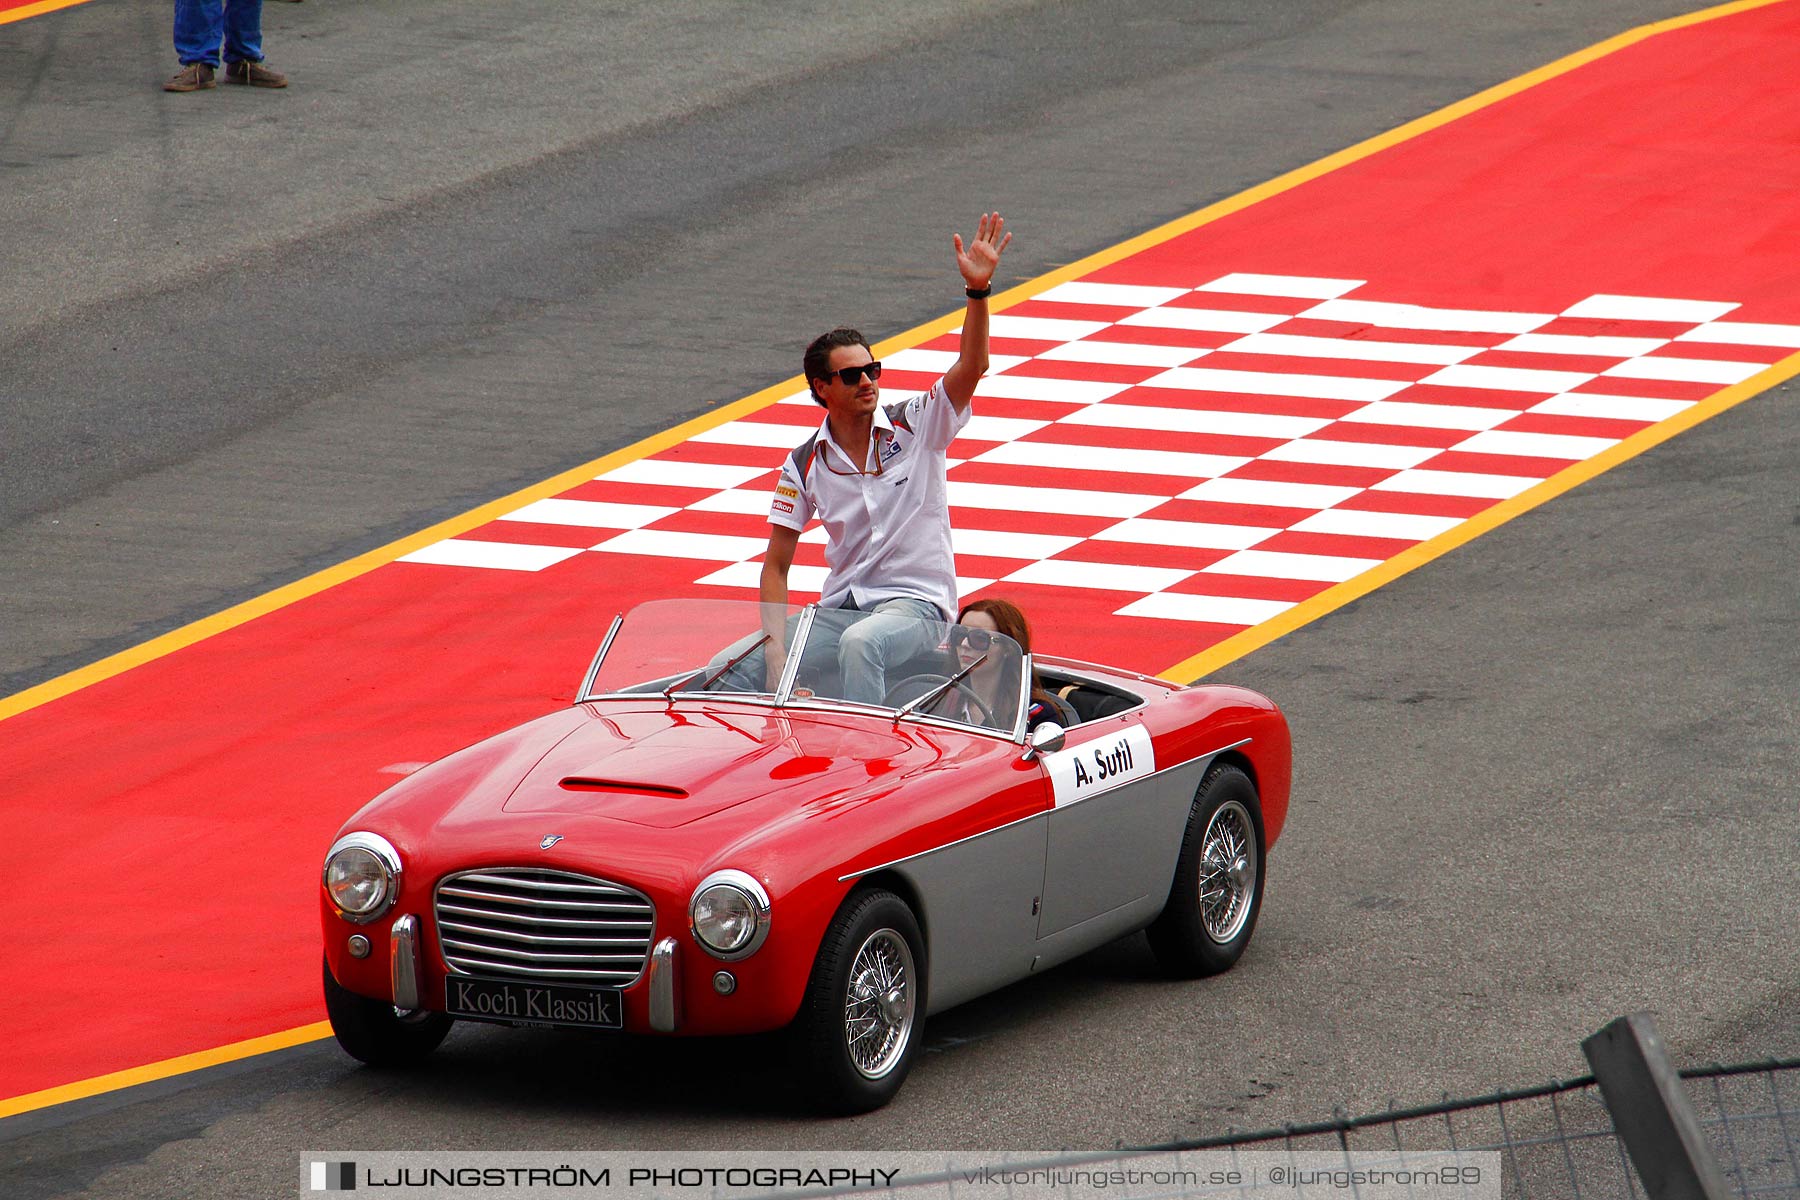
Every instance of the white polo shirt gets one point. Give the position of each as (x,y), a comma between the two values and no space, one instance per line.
(887,520)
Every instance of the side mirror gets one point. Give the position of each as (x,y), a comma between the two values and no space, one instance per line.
(1046,738)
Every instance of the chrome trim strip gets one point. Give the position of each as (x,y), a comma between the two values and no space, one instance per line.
(1026,675)
(587,681)
(403,962)
(1186,762)
(959,841)
(665,995)
(790,667)
(545,885)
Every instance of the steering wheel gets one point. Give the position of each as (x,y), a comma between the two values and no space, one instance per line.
(914,686)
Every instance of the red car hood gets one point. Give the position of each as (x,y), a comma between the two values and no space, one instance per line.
(663,768)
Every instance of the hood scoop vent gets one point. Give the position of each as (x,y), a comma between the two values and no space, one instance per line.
(582,783)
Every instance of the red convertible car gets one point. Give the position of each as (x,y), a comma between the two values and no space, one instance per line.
(716,841)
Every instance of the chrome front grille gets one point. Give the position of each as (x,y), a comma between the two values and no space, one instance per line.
(531,924)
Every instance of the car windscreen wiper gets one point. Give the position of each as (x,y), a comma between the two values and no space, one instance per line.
(939,690)
(669,693)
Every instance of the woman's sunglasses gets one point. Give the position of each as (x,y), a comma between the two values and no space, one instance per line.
(851,376)
(976,640)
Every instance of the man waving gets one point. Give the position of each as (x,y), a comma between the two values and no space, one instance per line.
(873,474)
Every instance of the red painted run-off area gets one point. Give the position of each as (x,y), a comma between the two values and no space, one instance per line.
(173,817)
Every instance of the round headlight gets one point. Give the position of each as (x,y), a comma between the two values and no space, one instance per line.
(730,914)
(362,876)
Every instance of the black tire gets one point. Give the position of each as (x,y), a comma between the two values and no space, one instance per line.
(376,1032)
(863,948)
(1217,893)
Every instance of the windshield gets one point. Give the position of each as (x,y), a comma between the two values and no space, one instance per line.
(912,668)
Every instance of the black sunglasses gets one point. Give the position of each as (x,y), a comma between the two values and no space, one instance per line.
(851,376)
(975,639)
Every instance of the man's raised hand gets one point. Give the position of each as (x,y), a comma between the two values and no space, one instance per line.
(979,261)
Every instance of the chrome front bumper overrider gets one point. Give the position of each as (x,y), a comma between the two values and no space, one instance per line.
(665,989)
(403,961)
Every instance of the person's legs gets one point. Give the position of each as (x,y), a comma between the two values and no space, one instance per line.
(243,31)
(199,28)
(894,631)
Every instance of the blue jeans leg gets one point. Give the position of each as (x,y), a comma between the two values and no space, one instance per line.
(893,632)
(243,31)
(202,26)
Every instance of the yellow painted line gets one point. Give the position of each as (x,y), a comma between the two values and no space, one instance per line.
(1200,664)
(38,9)
(199,1060)
(1308,611)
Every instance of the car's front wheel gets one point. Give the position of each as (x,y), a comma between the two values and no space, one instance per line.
(1217,893)
(859,1023)
(378,1033)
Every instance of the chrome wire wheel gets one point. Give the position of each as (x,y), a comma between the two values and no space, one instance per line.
(1229,872)
(879,1004)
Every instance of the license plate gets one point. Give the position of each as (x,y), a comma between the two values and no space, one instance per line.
(533,1003)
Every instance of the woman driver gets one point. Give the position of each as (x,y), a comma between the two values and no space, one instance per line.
(981,618)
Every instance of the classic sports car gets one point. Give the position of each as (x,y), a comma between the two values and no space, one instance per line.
(716,841)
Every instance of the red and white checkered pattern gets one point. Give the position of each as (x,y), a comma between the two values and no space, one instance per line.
(1209,455)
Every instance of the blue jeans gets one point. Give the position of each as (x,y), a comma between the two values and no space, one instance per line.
(201,26)
(860,644)
(892,631)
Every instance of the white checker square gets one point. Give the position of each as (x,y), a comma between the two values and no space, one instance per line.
(1535,445)
(998,429)
(1593,347)
(740,501)
(668,473)
(1001,543)
(1123,354)
(1685,370)
(1430,416)
(1269,564)
(1106,577)
(1744,333)
(1212,610)
(1350,522)
(1457,483)
(1124,295)
(749,575)
(1361,524)
(671,543)
(1203,320)
(1193,535)
(497,556)
(1060,456)
(1072,501)
(1060,391)
(1356,349)
(1270,494)
(1269,383)
(1507,379)
(1188,420)
(1304,287)
(1040,329)
(1648,308)
(762,434)
(1416,316)
(936,362)
(1611,408)
(591,514)
(1324,452)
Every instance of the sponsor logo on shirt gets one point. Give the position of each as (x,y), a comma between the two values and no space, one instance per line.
(785,490)
(783,506)
(890,449)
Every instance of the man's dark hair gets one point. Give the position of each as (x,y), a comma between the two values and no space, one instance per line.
(818,355)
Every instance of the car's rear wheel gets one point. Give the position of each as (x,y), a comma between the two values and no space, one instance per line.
(860,1021)
(1217,892)
(378,1033)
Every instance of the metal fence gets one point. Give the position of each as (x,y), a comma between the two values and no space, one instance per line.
(1559,1141)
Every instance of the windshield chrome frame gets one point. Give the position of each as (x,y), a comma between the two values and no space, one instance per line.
(783,698)
(587,681)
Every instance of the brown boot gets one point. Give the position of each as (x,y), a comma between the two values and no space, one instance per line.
(254,74)
(192,78)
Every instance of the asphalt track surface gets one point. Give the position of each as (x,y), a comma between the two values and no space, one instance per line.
(1542,782)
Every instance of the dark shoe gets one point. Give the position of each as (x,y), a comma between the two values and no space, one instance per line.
(254,74)
(192,78)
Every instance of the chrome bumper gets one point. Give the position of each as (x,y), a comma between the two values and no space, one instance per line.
(665,990)
(403,961)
